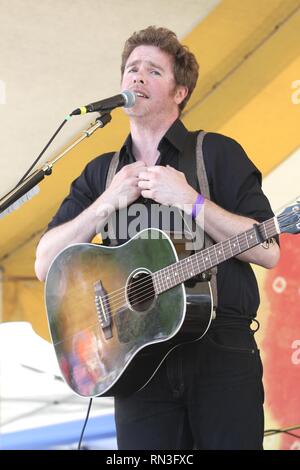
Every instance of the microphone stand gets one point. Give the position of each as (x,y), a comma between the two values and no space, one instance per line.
(39,174)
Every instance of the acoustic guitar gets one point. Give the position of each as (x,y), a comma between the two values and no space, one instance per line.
(115,313)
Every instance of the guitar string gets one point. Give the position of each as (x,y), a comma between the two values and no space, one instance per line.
(146,290)
(184,263)
(121,307)
(108,300)
(189,262)
(119,310)
(242,243)
(97,324)
(116,301)
(112,315)
(195,261)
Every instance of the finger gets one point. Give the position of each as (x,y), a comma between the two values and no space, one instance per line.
(147,193)
(144,184)
(136,170)
(154,168)
(144,175)
(133,181)
(138,163)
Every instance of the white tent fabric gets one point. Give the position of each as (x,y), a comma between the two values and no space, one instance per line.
(38,410)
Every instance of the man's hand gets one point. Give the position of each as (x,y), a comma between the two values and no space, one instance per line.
(124,188)
(167,186)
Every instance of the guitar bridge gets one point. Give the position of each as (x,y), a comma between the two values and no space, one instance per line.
(103,309)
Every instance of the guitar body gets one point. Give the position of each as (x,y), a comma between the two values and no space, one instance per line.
(109,340)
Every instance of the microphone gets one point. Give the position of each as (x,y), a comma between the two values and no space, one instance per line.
(126,99)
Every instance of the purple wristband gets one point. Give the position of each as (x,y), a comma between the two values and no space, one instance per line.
(197,206)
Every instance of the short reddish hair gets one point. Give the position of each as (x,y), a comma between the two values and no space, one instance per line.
(185,65)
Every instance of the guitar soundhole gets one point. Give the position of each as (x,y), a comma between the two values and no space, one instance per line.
(140,291)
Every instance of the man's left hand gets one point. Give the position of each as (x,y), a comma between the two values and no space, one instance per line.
(167,186)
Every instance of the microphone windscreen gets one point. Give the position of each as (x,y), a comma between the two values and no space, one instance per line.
(129,98)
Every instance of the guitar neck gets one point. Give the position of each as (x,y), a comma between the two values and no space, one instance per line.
(203,260)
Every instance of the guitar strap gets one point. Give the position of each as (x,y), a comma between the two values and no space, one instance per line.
(193,145)
(112,169)
(191,167)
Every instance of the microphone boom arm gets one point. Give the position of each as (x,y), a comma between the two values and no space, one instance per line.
(38,175)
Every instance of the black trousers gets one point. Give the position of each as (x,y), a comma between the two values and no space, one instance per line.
(205,395)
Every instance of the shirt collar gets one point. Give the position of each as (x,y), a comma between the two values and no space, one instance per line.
(176,135)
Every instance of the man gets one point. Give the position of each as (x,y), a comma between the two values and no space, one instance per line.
(207,394)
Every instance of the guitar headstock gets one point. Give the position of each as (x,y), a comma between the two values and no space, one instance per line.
(289,218)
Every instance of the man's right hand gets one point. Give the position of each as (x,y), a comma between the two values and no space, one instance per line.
(124,188)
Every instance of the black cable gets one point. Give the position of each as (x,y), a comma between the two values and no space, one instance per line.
(85,423)
(270,432)
(42,152)
(292,434)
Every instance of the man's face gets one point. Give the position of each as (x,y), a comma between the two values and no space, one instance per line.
(149,73)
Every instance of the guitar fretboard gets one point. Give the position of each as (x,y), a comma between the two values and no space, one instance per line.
(202,261)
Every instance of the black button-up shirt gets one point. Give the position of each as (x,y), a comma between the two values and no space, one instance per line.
(235,185)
